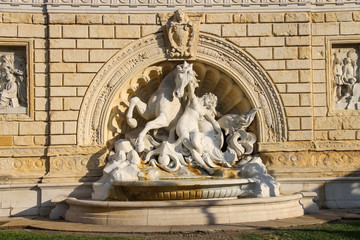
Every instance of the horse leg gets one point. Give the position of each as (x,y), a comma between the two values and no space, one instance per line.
(159,122)
(141,108)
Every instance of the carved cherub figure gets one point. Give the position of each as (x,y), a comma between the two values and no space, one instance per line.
(9,93)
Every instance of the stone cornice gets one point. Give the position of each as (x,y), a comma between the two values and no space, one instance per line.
(151,6)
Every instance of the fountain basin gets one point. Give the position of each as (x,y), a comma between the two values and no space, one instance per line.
(189,212)
(184,189)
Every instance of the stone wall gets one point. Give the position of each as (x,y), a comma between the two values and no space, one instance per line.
(67,51)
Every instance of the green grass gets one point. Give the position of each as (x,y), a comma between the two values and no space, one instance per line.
(22,235)
(347,231)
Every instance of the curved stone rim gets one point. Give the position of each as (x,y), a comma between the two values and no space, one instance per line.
(147,51)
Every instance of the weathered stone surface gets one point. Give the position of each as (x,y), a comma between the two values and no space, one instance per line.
(33,128)
(299,87)
(234,30)
(297,17)
(300,135)
(101,55)
(142,19)
(76,55)
(245,42)
(78,79)
(290,100)
(342,135)
(285,53)
(124,31)
(271,17)
(255,30)
(212,29)
(246,18)
(89,18)
(115,19)
(350,28)
(75,31)
(16,18)
(325,29)
(328,123)
(260,53)
(99,31)
(27,30)
(272,41)
(284,76)
(219,18)
(61,18)
(293,123)
(287,29)
(6,141)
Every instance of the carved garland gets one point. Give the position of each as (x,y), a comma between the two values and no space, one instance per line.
(94,112)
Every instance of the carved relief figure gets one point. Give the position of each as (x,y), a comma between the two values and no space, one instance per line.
(346,79)
(13,82)
(180,32)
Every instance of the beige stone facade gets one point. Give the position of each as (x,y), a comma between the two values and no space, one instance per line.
(53,151)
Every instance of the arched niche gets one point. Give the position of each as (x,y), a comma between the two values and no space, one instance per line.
(240,84)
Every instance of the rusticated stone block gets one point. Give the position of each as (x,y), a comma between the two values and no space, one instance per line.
(293,123)
(61,18)
(297,17)
(259,30)
(318,17)
(219,18)
(9,128)
(75,31)
(319,100)
(285,52)
(273,65)
(284,76)
(56,79)
(260,53)
(36,31)
(39,18)
(142,19)
(342,135)
(234,30)
(271,17)
(56,128)
(304,29)
(328,123)
(298,111)
(78,79)
(55,31)
(34,128)
(350,123)
(298,64)
(101,55)
(321,135)
(115,19)
(305,100)
(55,55)
(88,67)
(350,28)
(306,123)
(70,127)
(62,67)
(41,140)
(23,140)
(212,29)
(305,76)
(299,88)
(62,91)
(150,29)
(72,103)
(325,29)
(245,42)
(6,141)
(56,103)
(116,43)
(124,31)
(62,43)
(41,104)
(246,18)
(100,31)
(89,18)
(287,29)
(300,135)
(16,18)
(89,43)
(76,55)
(272,41)
(62,139)
(63,115)
(290,100)
(304,52)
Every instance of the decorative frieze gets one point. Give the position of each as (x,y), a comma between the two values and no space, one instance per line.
(142,6)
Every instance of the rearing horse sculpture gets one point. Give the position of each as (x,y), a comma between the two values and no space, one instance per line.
(164,105)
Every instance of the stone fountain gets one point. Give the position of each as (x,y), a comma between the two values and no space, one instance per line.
(188,164)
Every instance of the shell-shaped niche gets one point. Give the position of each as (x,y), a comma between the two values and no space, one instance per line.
(231,97)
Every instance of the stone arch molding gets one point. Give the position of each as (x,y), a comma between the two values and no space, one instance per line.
(227,57)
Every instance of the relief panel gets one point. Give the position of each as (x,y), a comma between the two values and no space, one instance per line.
(345,76)
(13,80)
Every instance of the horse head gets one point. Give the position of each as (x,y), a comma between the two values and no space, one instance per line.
(184,75)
